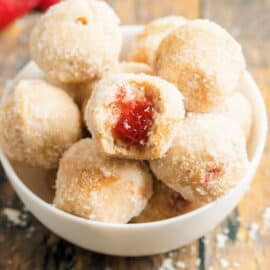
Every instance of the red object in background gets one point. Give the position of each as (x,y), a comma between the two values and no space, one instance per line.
(13,9)
(45,4)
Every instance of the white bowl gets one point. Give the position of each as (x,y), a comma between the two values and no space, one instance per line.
(135,239)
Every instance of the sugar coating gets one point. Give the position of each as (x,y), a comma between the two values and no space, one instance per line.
(79,92)
(204,61)
(238,109)
(208,157)
(148,41)
(132,67)
(100,188)
(38,122)
(164,203)
(101,114)
(85,90)
(76,40)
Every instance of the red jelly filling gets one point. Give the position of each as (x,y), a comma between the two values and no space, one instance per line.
(212,174)
(135,121)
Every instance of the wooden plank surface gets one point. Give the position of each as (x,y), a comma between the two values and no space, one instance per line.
(242,241)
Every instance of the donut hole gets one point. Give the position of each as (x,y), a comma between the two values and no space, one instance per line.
(93,186)
(136,115)
(82,20)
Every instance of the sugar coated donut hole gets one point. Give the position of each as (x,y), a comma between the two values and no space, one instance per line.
(147,42)
(204,61)
(38,122)
(134,115)
(208,157)
(100,188)
(76,40)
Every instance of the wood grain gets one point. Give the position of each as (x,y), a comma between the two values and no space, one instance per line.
(242,241)
(142,11)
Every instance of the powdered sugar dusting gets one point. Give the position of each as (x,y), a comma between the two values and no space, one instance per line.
(224,263)
(15,216)
(198,262)
(181,265)
(106,172)
(167,264)
(221,240)
(253,230)
(30,232)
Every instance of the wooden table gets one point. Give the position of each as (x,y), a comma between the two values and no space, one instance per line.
(242,241)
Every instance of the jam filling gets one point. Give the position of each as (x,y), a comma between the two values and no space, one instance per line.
(212,174)
(135,120)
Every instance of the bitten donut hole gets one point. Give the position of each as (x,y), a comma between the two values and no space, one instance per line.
(136,115)
(82,20)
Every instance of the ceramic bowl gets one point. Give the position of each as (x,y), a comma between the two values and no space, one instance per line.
(33,186)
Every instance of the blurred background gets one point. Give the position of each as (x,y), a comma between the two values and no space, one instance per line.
(242,241)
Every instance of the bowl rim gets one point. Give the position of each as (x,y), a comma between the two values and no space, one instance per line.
(15,180)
